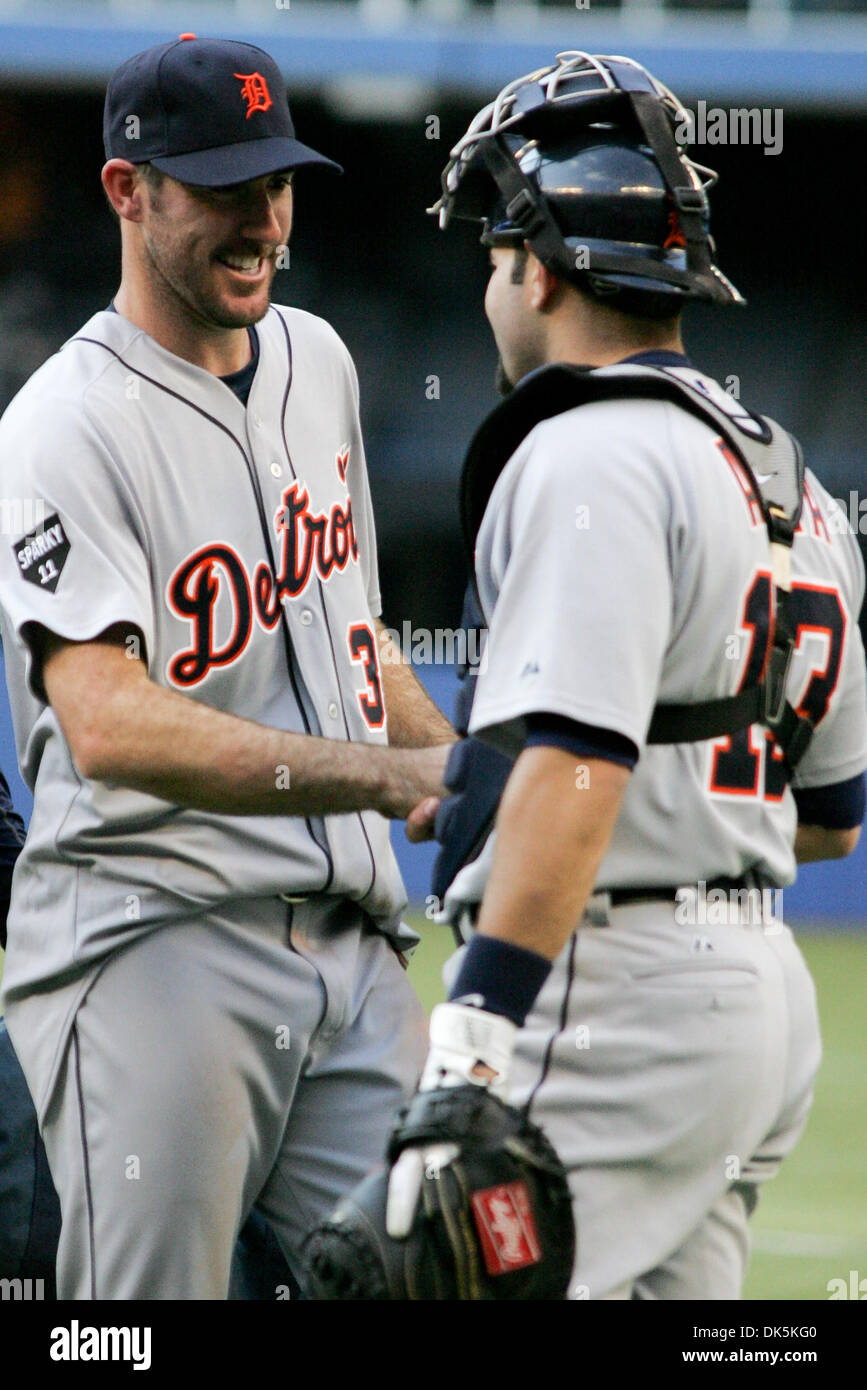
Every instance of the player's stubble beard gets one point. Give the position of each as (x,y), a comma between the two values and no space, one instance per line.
(184,288)
(501,379)
(517,336)
(506,381)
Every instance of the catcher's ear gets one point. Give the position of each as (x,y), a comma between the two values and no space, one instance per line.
(542,287)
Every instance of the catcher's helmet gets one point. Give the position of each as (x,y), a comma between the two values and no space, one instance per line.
(584,160)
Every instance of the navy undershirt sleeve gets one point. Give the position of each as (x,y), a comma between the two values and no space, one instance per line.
(839,806)
(584,740)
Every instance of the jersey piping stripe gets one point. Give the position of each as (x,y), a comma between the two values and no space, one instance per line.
(85,1157)
(251,474)
(321,589)
(369,889)
(561,1026)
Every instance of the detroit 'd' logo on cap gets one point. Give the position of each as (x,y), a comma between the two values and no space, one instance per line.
(254,90)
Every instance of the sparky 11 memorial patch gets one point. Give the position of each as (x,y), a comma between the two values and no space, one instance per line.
(41,555)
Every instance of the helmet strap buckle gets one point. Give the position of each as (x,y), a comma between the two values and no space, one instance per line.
(689,199)
(523,211)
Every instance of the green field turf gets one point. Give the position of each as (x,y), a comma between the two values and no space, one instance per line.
(811,1223)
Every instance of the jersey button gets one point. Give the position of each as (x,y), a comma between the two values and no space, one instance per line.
(332,710)
(306,617)
(257,422)
(276,470)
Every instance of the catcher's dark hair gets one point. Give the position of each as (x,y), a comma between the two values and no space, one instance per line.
(637,304)
(519,266)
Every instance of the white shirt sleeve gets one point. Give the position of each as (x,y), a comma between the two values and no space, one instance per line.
(581,586)
(81,566)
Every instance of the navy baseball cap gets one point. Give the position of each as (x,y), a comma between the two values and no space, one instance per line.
(206,111)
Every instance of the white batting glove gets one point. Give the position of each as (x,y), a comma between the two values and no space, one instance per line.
(469,1046)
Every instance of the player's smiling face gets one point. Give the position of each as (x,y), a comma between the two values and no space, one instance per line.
(215,249)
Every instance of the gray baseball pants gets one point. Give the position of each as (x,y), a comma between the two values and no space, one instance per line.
(213,1065)
(672,1068)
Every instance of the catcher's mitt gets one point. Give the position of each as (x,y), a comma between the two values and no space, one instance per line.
(493,1222)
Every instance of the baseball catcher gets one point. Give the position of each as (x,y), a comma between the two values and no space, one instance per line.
(674,675)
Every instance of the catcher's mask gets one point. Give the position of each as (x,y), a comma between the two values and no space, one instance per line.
(582,160)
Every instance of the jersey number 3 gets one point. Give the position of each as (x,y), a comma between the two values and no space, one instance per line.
(740,760)
(362,649)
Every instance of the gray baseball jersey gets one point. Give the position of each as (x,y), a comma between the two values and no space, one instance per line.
(622,562)
(614,578)
(240,545)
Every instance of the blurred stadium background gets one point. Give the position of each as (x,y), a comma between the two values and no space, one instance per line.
(386,87)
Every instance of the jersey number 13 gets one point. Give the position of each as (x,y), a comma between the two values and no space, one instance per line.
(749,763)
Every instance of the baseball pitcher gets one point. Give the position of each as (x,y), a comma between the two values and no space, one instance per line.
(204,981)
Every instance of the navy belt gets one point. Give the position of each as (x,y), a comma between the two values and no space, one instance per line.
(624,897)
(620,897)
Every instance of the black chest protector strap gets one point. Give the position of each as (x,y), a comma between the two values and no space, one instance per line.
(774,466)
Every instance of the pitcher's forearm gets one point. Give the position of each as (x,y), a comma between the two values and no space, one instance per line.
(235,767)
(414,721)
(124,728)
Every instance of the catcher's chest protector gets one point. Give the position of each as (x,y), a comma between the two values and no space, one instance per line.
(774,465)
